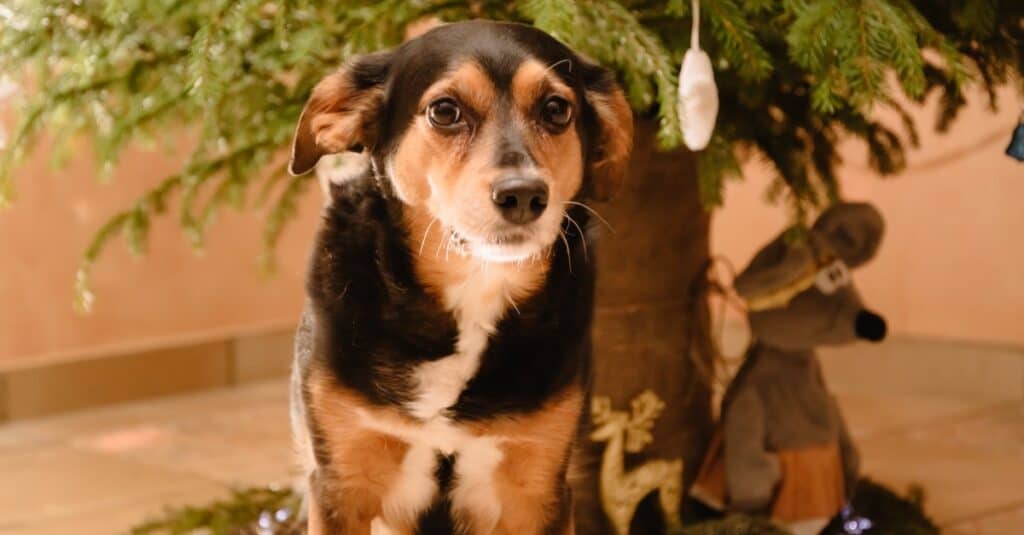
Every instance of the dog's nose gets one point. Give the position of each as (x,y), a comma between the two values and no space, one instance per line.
(520,200)
(869,326)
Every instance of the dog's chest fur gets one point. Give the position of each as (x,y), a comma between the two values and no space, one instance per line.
(476,302)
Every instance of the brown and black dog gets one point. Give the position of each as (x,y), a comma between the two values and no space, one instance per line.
(443,360)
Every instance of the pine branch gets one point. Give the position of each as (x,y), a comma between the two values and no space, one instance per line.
(796,77)
(736,39)
(284,210)
(133,222)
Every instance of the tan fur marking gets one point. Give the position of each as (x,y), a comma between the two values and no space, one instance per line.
(535,449)
(429,164)
(534,81)
(363,463)
(437,270)
(468,84)
(336,118)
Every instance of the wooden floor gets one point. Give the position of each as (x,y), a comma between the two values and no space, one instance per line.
(101,471)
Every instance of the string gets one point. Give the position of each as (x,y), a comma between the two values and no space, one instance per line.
(712,283)
(728,298)
(695,30)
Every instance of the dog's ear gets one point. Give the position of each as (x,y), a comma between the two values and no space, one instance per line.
(609,160)
(341,113)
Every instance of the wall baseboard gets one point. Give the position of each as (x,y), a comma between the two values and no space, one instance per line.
(902,365)
(57,387)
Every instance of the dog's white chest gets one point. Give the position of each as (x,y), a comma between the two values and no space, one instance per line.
(478,304)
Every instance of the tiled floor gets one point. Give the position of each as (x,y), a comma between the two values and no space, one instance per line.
(101,471)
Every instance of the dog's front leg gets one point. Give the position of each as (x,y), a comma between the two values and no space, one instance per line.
(330,513)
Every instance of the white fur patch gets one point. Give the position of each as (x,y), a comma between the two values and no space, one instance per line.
(473,495)
(475,502)
(477,303)
(415,487)
(378,527)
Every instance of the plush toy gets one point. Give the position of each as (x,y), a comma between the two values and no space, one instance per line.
(782,448)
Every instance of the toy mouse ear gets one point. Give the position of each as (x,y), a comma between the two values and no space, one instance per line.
(853,231)
(341,113)
(777,265)
(609,163)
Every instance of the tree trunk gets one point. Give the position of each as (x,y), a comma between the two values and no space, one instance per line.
(645,317)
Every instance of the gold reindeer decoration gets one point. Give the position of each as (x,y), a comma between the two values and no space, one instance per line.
(622,490)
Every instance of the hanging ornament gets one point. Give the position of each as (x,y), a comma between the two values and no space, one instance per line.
(698,95)
(1015,149)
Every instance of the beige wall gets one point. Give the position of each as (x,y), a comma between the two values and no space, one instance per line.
(170,294)
(952,263)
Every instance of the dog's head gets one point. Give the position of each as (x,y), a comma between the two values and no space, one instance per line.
(491,128)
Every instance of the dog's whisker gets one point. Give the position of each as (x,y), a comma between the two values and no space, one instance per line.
(568,251)
(512,302)
(425,232)
(440,243)
(591,210)
(583,237)
(559,62)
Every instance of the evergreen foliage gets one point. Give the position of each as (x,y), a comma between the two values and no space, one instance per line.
(795,77)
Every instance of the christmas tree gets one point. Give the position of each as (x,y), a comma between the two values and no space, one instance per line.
(794,77)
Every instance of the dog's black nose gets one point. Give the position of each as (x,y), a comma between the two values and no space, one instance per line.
(520,200)
(869,326)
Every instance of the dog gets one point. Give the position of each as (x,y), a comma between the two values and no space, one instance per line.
(442,362)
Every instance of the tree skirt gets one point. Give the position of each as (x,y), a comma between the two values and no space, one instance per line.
(265,511)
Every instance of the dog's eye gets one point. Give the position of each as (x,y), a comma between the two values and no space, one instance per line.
(444,113)
(556,111)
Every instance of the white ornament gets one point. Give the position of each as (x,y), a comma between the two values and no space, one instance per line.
(698,94)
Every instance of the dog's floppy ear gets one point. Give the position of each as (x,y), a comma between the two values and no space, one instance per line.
(609,161)
(341,113)
(853,230)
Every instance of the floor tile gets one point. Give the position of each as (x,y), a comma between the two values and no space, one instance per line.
(60,481)
(907,366)
(241,449)
(1005,522)
(115,518)
(870,415)
(967,466)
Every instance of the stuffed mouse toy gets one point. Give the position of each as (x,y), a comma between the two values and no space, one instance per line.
(782,448)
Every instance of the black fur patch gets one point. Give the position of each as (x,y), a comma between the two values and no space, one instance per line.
(375,322)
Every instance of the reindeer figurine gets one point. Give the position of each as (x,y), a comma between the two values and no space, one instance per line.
(782,448)
(622,490)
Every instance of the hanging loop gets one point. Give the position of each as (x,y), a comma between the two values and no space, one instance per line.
(695,29)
